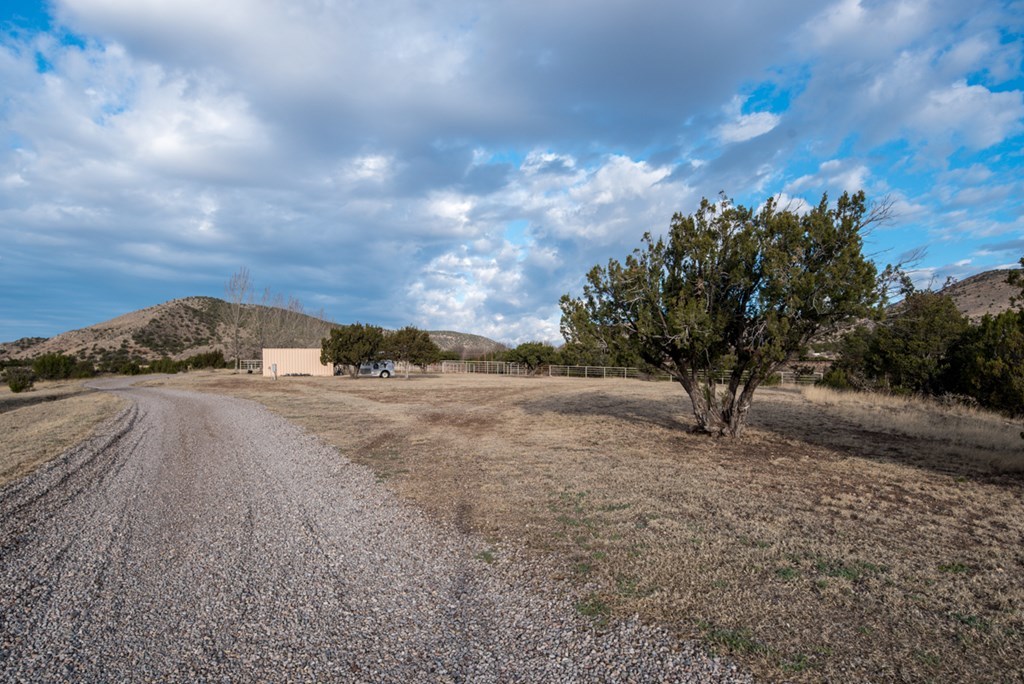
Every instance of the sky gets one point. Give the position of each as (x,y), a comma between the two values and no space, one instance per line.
(461,164)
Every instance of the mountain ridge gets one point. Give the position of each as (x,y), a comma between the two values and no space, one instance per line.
(184,327)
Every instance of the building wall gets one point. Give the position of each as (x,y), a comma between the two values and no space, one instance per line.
(294,362)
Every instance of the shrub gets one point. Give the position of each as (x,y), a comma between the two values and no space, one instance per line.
(165,365)
(19,379)
(214,359)
(83,369)
(987,363)
(53,366)
(129,368)
(836,379)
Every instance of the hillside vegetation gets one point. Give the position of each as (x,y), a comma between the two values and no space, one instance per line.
(184,328)
(984,293)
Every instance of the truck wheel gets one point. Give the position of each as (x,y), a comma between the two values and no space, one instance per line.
(385,374)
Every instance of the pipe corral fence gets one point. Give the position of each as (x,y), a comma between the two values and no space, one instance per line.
(602,372)
(491,367)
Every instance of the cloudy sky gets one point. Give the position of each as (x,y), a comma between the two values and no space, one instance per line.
(459,164)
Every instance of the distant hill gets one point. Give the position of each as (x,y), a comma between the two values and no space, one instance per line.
(467,346)
(984,293)
(185,327)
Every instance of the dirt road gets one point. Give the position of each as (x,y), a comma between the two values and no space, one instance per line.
(203,538)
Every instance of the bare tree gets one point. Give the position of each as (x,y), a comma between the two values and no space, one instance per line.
(237,291)
(277,323)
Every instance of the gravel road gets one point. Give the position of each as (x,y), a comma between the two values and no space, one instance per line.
(203,538)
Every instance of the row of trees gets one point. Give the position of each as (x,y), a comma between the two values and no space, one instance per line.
(929,347)
(57,366)
(536,355)
(352,345)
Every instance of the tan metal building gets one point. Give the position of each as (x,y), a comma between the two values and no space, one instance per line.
(294,362)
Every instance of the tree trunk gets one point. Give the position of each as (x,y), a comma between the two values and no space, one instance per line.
(718,414)
(706,408)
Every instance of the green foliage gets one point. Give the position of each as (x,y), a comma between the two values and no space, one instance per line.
(350,345)
(904,354)
(83,369)
(129,368)
(929,347)
(411,345)
(533,355)
(164,365)
(19,378)
(53,366)
(116,360)
(214,359)
(1016,277)
(587,345)
(729,281)
(987,363)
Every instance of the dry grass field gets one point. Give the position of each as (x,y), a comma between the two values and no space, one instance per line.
(42,423)
(841,539)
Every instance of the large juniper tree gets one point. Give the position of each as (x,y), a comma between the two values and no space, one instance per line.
(730,289)
(411,345)
(351,345)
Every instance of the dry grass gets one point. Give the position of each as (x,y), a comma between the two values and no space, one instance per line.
(40,424)
(828,544)
(985,437)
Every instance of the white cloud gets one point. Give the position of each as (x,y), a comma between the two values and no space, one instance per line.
(834,176)
(747,126)
(743,127)
(968,113)
(355,152)
(370,167)
(511,291)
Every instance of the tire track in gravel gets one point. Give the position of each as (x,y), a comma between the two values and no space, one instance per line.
(203,538)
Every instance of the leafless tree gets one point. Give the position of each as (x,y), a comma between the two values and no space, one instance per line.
(237,291)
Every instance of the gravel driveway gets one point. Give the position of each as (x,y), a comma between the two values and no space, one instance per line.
(202,538)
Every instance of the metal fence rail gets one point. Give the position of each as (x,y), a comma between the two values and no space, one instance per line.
(601,372)
(783,377)
(493,367)
(593,372)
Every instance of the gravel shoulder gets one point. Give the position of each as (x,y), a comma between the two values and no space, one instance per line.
(199,537)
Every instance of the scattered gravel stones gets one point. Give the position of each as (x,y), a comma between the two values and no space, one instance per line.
(202,538)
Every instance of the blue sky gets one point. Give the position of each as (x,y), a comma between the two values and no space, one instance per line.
(461,164)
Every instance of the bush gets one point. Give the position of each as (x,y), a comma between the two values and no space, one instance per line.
(835,378)
(165,365)
(53,366)
(987,363)
(129,368)
(533,355)
(19,379)
(83,369)
(213,359)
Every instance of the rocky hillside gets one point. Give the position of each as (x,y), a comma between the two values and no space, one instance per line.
(467,346)
(195,325)
(985,293)
(177,329)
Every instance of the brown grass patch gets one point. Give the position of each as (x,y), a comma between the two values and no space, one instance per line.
(43,423)
(828,544)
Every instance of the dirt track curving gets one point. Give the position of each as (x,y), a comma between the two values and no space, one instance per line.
(200,537)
